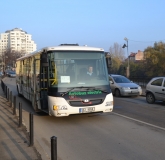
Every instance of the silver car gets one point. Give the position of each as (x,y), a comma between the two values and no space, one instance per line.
(155,90)
(11,74)
(122,86)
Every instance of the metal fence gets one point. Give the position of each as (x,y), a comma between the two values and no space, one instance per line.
(142,81)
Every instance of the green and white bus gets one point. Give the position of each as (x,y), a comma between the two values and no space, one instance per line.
(55,80)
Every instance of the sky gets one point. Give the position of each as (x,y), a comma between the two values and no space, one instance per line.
(95,23)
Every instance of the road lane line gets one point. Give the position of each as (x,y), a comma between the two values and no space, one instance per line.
(139,121)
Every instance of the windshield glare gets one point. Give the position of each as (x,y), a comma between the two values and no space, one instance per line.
(75,69)
(121,79)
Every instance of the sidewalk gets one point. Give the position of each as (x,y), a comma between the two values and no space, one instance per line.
(14,141)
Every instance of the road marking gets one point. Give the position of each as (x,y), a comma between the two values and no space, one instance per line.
(139,121)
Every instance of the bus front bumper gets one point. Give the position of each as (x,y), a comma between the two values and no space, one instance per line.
(59,107)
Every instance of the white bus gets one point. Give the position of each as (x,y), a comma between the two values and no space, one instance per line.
(55,80)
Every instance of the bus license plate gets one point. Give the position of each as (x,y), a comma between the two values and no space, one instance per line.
(86,110)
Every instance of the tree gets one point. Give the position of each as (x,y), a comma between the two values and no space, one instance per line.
(9,57)
(117,54)
(154,59)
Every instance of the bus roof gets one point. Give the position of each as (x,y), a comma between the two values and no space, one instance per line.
(63,48)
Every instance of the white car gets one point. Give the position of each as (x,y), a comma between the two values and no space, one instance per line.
(155,90)
(122,86)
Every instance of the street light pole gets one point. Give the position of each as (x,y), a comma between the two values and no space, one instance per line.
(128,67)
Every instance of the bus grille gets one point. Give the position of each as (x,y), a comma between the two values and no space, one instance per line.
(81,103)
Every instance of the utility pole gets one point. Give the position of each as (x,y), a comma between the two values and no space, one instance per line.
(128,67)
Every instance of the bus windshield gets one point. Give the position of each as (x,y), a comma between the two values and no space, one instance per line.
(77,68)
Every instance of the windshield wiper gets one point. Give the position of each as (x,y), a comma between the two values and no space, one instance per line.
(68,91)
(88,88)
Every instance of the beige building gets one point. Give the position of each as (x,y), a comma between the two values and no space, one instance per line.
(17,40)
(139,56)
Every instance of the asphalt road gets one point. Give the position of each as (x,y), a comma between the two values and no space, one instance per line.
(138,108)
(134,130)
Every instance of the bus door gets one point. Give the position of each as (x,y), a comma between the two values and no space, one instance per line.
(44,82)
(35,88)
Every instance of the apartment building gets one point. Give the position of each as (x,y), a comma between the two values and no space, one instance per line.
(17,40)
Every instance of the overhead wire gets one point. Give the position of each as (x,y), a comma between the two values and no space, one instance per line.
(145,41)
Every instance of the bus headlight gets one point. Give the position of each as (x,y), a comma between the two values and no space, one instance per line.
(59,107)
(109,103)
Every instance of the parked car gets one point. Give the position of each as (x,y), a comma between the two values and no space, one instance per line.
(155,90)
(122,86)
(7,72)
(11,74)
